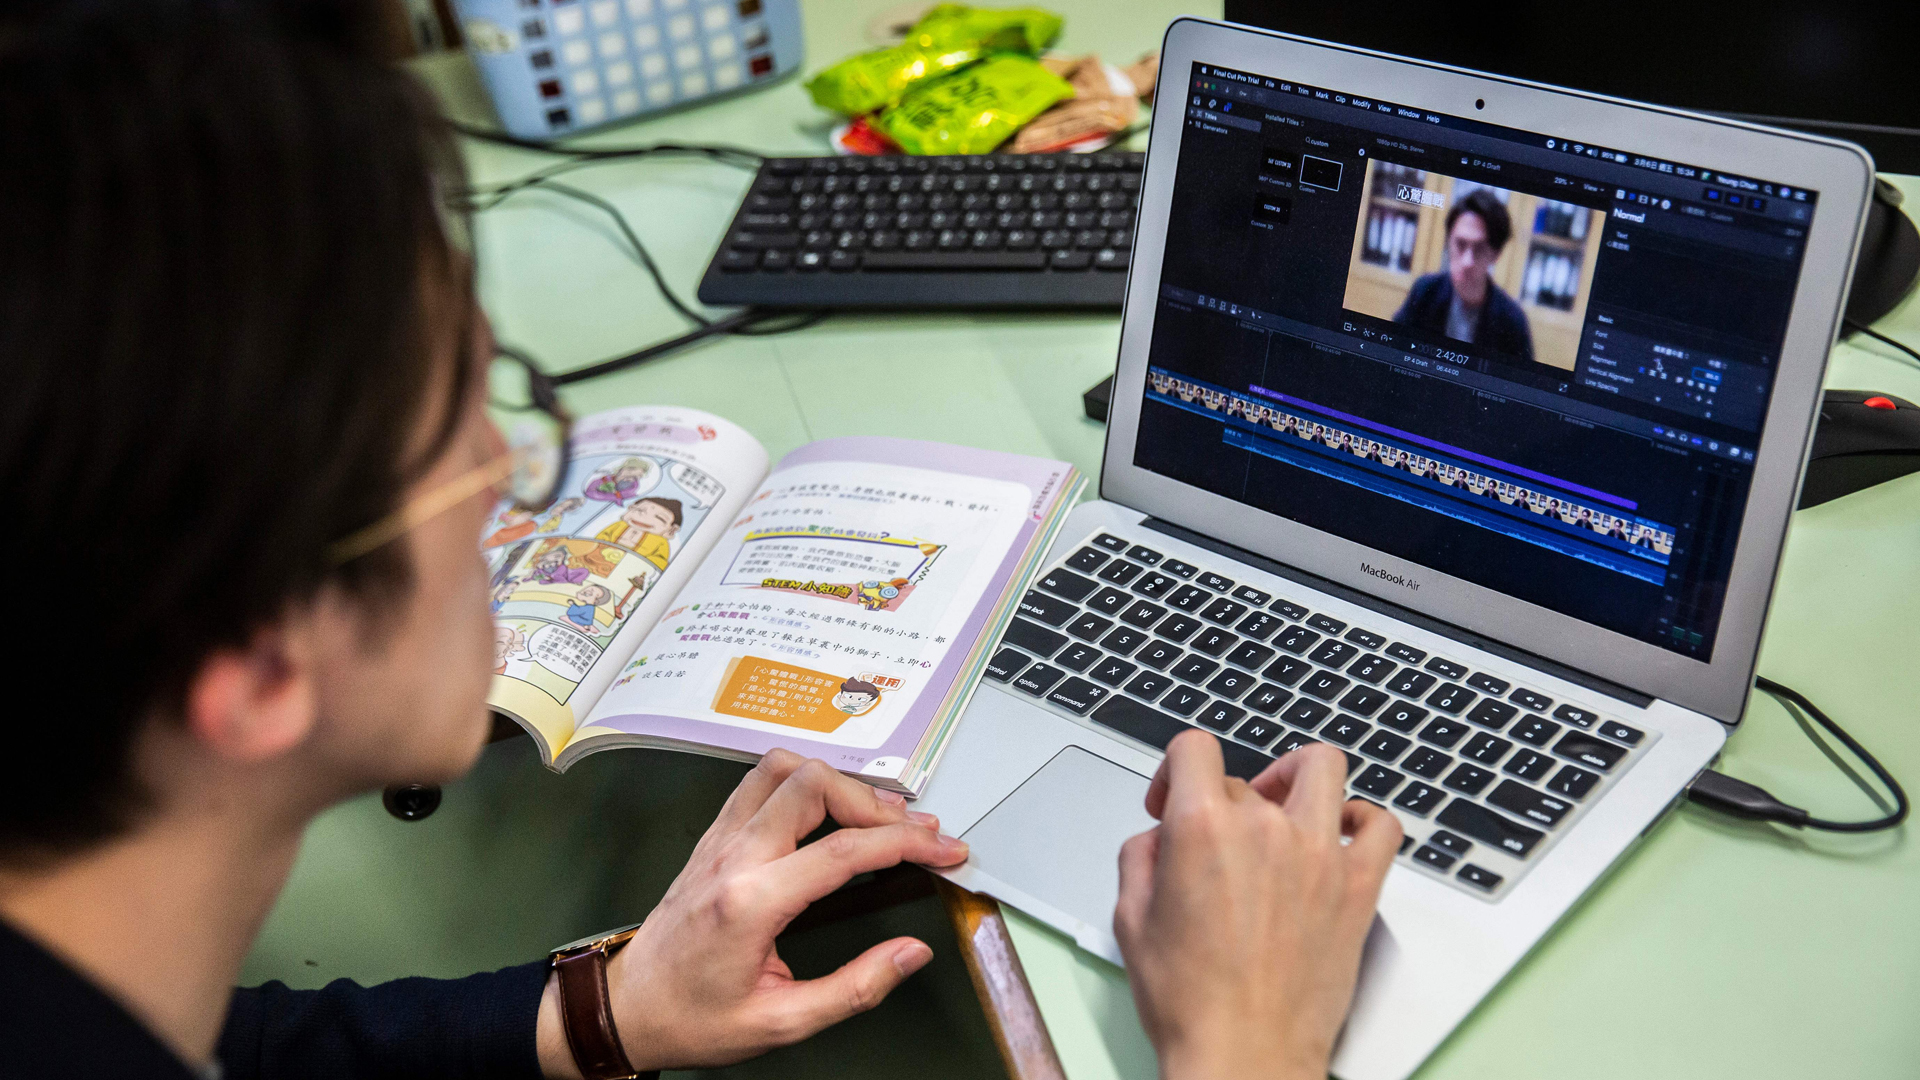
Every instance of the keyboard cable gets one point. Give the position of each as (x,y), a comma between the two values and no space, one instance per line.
(1738,798)
(748,322)
(1862,328)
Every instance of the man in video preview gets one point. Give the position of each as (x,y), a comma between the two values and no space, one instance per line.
(1463,302)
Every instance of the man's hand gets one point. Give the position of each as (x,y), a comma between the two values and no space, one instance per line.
(701,984)
(1242,914)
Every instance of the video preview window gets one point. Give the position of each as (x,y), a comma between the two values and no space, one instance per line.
(1504,273)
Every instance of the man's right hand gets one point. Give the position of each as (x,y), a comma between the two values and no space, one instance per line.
(1242,914)
(702,983)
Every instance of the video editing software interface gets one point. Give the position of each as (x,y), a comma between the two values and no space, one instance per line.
(1536,365)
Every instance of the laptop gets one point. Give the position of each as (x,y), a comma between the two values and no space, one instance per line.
(1457,423)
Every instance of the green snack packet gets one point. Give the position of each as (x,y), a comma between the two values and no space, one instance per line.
(973,110)
(1024,30)
(948,37)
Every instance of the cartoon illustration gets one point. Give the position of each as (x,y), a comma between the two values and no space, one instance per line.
(856,697)
(585,609)
(875,595)
(550,568)
(515,524)
(636,587)
(646,528)
(506,642)
(559,510)
(502,592)
(619,485)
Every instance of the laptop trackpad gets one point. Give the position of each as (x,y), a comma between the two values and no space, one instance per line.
(1058,836)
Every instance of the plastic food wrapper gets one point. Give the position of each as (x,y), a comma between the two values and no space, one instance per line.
(947,38)
(1106,102)
(975,109)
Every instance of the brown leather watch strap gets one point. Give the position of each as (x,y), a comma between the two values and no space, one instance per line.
(586,1011)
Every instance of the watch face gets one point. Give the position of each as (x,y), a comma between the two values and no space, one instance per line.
(592,938)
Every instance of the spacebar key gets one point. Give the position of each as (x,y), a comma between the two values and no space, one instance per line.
(956,260)
(1137,721)
(1157,729)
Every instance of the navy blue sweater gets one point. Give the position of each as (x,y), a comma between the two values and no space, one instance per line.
(55,1023)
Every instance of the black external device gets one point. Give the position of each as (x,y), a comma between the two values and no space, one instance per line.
(1864,438)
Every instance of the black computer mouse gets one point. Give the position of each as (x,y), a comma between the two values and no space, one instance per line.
(1864,438)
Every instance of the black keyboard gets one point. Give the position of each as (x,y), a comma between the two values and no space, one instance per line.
(966,231)
(1482,773)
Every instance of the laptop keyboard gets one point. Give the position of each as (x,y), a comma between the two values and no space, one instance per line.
(1483,773)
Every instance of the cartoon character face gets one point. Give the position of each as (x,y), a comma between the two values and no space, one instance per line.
(649,515)
(852,704)
(856,697)
(593,595)
(505,641)
(551,560)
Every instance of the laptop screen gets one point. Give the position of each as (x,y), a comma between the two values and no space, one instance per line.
(1538,366)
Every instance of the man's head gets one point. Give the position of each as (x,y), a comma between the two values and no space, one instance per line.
(593,595)
(233,309)
(1477,230)
(551,559)
(856,696)
(658,516)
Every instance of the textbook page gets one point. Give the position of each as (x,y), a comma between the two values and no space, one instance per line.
(575,587)
(825,620)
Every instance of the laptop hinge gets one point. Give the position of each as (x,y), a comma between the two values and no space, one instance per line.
(1395,611)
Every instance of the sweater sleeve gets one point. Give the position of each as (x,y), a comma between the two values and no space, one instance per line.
(477,1028)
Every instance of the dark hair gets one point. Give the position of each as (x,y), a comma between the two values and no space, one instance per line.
(859,686)
(671,506)
(1489,210)
(222,220)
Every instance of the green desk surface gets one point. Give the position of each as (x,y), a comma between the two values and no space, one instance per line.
(1718,950)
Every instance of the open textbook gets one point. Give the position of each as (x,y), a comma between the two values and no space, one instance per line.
(681,595)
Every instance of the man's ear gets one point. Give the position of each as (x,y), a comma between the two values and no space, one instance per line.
(258,701)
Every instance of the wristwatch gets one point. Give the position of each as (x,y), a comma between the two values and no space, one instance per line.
(586,1009)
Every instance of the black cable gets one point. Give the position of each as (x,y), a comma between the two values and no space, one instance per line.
(1862,328)
(801,320)
(633,239)
(1741,799)
(749,322)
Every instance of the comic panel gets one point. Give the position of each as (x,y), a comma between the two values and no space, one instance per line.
(567,578)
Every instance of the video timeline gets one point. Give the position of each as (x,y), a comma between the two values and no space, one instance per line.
(1584,524)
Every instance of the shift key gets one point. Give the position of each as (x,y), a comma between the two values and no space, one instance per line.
(1490,828)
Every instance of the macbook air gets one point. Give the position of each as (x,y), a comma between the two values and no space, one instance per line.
(1457,424)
